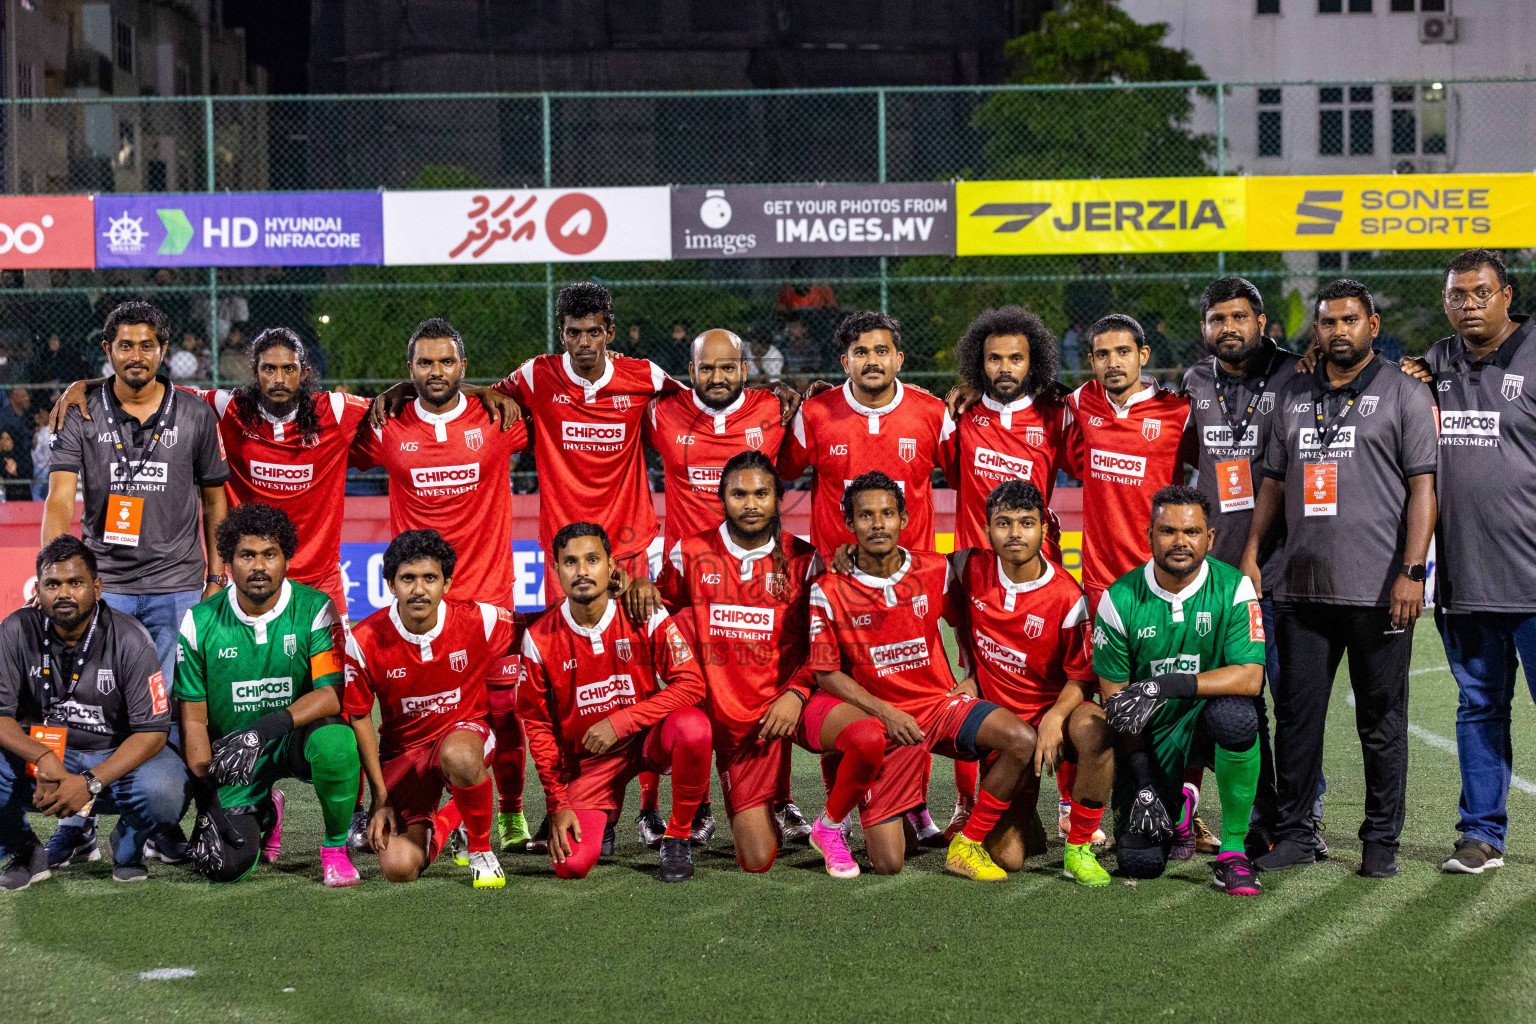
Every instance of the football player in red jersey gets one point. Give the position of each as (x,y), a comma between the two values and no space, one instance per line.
(425,658)
(450,470)
(748,587)
(1023,633)
(595,717)
(882,621)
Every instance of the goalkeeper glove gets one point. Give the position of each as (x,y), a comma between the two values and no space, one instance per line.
(1128,710)
(234,755)
(1148,817)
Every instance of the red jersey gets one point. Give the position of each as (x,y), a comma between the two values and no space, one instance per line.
(576,677)
(425,684)
(587,442)
(839,439)
(887,630)
(451,472)
(1025,639)
(994,442)
(752,619)
(271,463)
(695,443)
(1123,456)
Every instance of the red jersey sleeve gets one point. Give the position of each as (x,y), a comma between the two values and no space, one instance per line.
(947,453)
(797,447)
(518,385)
(366,449)
(538,718)
(673,580)
(1072,441)
(825,654)
(357,691)
(675,663)
(354,409)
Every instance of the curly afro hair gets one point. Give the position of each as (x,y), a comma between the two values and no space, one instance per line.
(253,519)
(1044,355)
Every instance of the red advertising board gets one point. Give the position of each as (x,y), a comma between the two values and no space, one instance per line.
(54,232)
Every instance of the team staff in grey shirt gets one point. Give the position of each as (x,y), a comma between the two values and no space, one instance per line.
(1350,464)
(1484,376)
(152,465)
(1233,393)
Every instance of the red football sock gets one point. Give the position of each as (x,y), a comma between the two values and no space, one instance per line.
(509,758)
(444,821)
(1083,822)
(683,740)
(1066,774)
(862,745)
(829,762)
(475,805)
(984,816)
(650,791)
(966,776)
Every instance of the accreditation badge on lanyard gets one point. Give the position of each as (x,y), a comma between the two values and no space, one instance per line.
(125,512)
(1234,478)
(1234,482)
(1321,483)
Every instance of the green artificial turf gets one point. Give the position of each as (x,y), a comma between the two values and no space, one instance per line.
(1319,945)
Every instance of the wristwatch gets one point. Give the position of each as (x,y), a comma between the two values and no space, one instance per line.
(220,578)
(1416,573)
(92,783)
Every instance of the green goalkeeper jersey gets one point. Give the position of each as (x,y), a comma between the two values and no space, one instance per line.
(1143,630)
(245,667)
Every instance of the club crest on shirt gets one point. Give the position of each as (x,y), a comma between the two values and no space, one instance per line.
(621,401)
(1034,436)
(776,583)
(1151,429)
(290,644)
(1514,383)
(1202,623)
(106,681)
(168,437)
(754,438)
(1266,403)
(458,661)
(1034,626)
(621,649)
(920,606)
(474,439)
(1368,405)
(906,447)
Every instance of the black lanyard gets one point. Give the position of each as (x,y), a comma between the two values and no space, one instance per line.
(1239,427)
(82,651)
(1325,436)
(120,453)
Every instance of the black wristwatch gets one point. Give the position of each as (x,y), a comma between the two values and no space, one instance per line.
(1416,573)
(93,785)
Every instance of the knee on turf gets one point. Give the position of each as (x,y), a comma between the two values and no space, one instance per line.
(401,861)
(1233,722)
(755,867)
(1140,857)
(238,861)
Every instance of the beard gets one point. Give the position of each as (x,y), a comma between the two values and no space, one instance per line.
(719,403)
(1018,390)
(278,410)
(1244,351)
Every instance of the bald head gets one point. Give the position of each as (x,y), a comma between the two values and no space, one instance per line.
(716,367)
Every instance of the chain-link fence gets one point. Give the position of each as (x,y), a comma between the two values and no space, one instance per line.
(359,317)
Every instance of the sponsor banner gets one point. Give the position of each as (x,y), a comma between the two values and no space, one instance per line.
(239,229)
(1384,211)
(536,225)
(753,222)
(1001,218)
(55,232)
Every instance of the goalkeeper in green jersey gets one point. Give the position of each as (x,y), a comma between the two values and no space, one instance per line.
(258,673)
(1179,646)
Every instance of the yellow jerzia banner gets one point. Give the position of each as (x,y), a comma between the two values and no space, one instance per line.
(1426,211)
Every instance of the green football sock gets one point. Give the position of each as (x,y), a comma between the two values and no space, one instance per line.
(1237,780)
(334,770)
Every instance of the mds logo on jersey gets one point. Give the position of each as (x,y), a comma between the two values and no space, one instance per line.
(1003,467)
(1183,663)
(282,477)
(608,691)
(257,691)
(1114,464)
(997,653)
(431,704)
(738,619)
(436,478)
(890,657)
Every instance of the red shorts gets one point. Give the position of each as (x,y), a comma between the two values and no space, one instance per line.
(812,717)
(415,780)
(598,781)
(753,774)
(902,784)
(331,584)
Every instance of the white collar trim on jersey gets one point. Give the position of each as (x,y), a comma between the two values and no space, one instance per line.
(1177,600)
(886,584)
(1009,408)
(589,388)
(873,415)
(258,623)
(746,556)
(1122,411)
(278,422)
(424,640)
(595,634)
(1012,590)
(440,420)
(719,415)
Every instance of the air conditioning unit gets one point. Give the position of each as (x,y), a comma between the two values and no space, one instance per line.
(1437,28)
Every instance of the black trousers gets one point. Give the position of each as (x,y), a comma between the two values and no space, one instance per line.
(1313,639)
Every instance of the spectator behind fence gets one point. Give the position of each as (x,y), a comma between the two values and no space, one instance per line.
(42,439)
(58,363)
(15,467)
(234,362)
(764,361)
(16,414)
(189,360)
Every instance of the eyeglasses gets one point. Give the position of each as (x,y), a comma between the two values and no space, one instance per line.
(1477,300)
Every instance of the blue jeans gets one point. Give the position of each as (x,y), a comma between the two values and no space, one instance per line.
(1485,650)
(1265,804)
(151,797)
(161,614)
